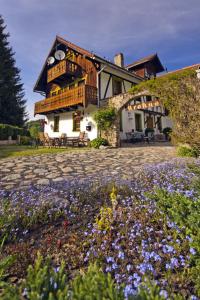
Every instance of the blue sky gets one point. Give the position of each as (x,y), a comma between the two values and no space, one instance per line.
(135,27)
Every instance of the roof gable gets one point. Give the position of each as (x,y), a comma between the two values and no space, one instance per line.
(153,58)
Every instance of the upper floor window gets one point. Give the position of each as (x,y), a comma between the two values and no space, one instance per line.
(56,124)
(117,87)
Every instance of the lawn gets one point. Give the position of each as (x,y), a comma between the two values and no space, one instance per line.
(13,150)
(136,239)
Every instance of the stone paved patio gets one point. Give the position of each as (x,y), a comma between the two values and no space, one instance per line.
(20,172)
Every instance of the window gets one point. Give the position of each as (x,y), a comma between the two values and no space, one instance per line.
(76,121)
(138,122)
(56,124)
(148,98)
(117,87)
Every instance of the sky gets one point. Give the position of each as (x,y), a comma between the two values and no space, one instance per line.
(137,28)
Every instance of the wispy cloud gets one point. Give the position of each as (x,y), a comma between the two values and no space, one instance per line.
(136,27)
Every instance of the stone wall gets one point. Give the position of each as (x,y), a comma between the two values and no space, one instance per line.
(118,102)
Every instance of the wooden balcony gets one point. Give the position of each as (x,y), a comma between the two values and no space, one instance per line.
(82,95)
(62,68)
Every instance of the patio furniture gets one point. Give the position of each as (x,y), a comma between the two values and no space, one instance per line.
(129,137)
(81,140)
(63,140)
(48,141)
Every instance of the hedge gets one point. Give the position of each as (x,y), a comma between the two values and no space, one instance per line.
(9,130)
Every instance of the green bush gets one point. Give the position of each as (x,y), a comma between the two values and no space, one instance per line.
(95,285)
(184,212)
(105,118)
(25,140)
(9,130)
(186,151)
(167,131)
(96,143)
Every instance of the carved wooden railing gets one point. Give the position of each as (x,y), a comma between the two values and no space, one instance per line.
(84,95)
(63,67)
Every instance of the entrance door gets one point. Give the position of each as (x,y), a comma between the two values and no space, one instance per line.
(150,122)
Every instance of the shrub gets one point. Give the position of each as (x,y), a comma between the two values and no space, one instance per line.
(9,130)
(95,285)
(96,143)
(186,151)
(25,140)
(105,118)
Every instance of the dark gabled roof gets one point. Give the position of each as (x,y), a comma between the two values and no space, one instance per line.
(150,58)
(41,79)
(58,39)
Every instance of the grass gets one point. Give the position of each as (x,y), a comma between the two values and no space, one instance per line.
(14,150)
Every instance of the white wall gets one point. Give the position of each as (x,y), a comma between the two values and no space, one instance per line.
(66,123)
(128,121)
(104,81)
(127,86)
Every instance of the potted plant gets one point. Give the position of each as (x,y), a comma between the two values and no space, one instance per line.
(167,132)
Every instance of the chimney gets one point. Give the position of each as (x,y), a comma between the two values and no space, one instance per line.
(119,60)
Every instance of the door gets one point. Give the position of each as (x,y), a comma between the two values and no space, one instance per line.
(150,122)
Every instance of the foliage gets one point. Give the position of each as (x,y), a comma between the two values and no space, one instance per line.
(153,233)
(35,127)
(25,140)
(12,103)
(104,219)
(185,151)
(96,143)
(6,262)
(180,94)
(45,283)
(184,212)
(95,285)
(167,131)
(105,118)
(9,130)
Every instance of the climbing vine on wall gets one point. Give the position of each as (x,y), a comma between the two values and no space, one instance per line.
(180,94)
(105,117)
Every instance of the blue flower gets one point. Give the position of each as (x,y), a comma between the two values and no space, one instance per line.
(121,255)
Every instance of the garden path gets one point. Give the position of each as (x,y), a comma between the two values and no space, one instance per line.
(20,172)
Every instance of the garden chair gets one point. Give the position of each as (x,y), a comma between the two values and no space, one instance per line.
(63,139)
(82,140)
(48,141)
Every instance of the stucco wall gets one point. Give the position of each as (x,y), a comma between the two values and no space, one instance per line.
(104,81)
(66,123)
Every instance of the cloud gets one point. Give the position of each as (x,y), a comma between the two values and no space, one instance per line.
(136,27)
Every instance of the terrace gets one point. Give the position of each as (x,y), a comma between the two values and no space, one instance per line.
(81,95)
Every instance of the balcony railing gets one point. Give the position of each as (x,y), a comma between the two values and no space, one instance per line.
(82,95)
(63,67)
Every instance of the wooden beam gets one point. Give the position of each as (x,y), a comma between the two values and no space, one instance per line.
(124,86)
(107,86)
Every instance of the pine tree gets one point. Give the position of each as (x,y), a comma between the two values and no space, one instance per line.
(12,103)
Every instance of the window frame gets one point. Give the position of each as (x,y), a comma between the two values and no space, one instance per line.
(56,124)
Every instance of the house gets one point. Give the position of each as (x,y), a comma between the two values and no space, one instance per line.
(74,81)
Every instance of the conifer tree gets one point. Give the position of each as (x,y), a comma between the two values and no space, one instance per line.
(12,103)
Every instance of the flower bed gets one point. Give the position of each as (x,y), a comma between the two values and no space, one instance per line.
(143,228)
